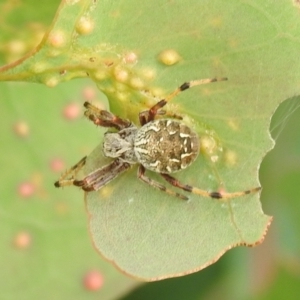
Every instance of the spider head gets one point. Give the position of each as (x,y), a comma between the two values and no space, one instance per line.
(120,144)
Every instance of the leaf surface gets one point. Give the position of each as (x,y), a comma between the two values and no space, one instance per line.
(138,53)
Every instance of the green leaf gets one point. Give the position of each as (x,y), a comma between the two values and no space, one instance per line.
(140,52)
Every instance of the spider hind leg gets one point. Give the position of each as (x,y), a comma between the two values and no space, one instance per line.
(157,185)
(215,195)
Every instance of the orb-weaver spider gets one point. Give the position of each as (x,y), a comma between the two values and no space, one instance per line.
(164,146)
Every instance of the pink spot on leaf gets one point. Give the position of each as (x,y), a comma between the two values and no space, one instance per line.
(57,165)
(22,240)
(93,280)
(72,111)
(26,189)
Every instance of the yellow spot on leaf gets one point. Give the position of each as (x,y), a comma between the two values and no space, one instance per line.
(230,158)
(169,57)
(85,26)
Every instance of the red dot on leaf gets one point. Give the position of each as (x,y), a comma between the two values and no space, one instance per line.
(72,111)
(26,189)
(89,93)
(22,240)
(57,165)
(93,280)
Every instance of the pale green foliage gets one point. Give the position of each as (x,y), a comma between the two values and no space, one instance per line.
(123,46)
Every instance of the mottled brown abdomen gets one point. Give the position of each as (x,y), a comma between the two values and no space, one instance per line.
(166,146)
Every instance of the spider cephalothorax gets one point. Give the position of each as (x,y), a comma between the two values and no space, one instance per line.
(121,144)
(164,146)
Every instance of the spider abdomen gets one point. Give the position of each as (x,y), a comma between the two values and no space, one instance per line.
(166,146)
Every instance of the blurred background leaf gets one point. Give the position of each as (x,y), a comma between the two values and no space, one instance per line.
(23,26)
(46,251)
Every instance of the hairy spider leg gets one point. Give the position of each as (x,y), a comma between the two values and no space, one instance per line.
(104,118)
(100,177)
(216,195)
(149,115)
(71,173)
(164,113)
(156,184)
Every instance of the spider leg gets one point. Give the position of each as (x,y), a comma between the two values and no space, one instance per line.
(144,116)
(169,115)
(71,173)
(156,184)
(215,195)
(149,115)
(104,118)
(100,177)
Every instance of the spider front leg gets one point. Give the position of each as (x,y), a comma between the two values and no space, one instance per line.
(104,118)
(100,177)
(215,195)
(95,180)
(71,173)
(156,184)
(149,115)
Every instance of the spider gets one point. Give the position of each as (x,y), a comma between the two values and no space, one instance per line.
(163,145)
